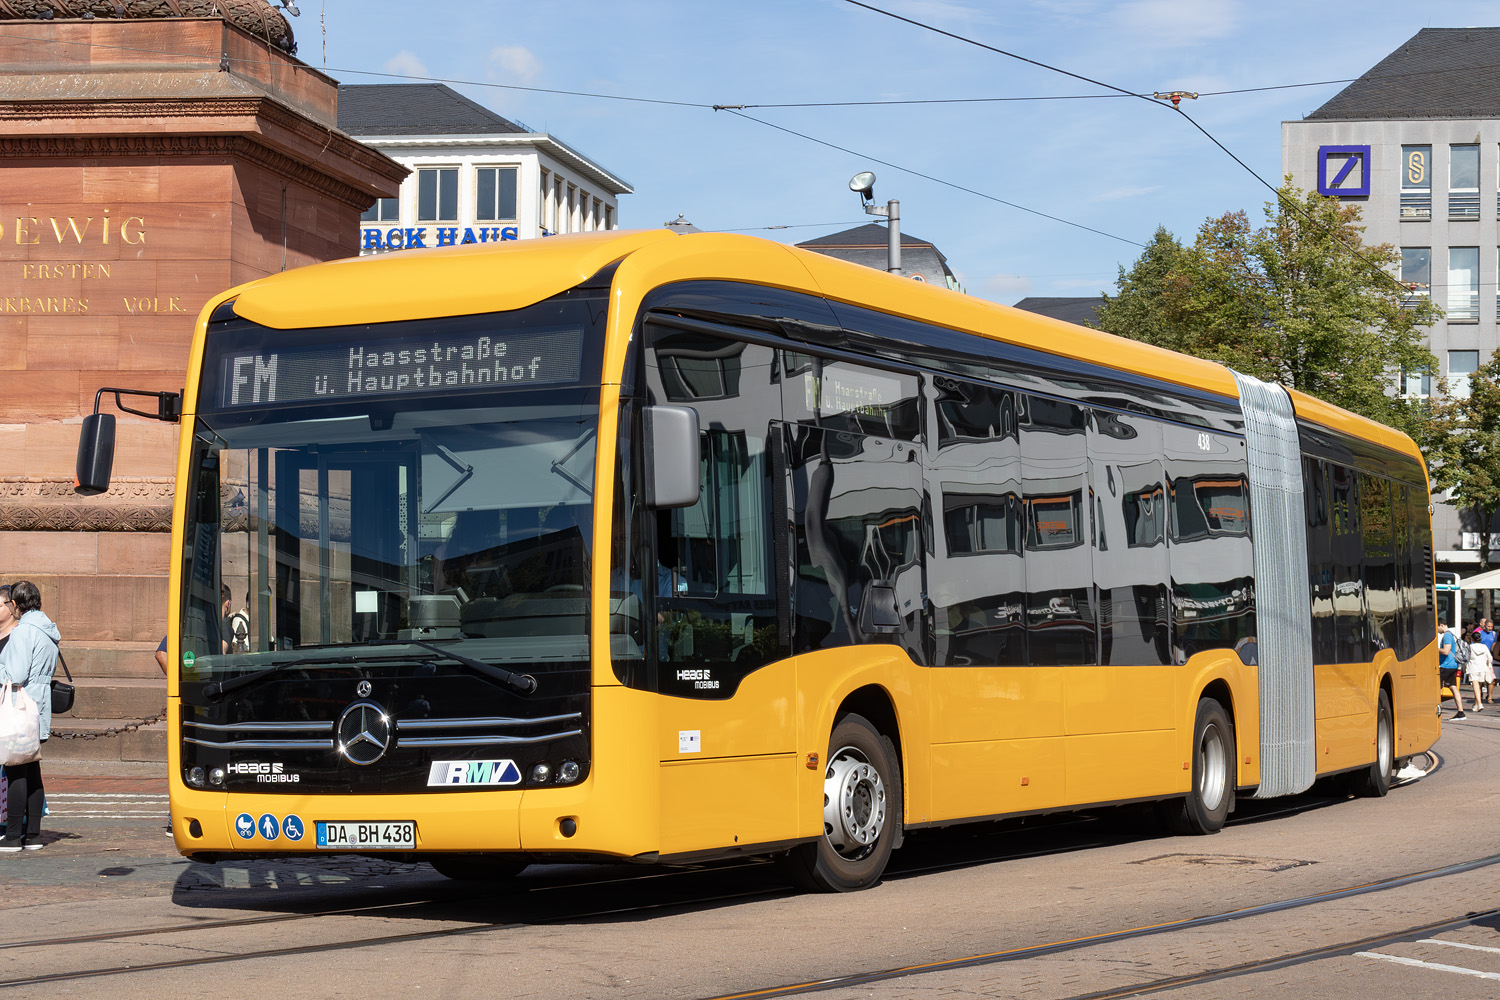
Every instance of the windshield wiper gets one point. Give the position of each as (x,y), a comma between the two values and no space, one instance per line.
(213,692)
(520,683)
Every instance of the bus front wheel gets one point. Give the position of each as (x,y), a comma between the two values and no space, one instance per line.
(1208,802)
(1376,781)
(861,812)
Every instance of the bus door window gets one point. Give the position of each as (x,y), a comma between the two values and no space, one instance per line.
(1212,565)
(1130,556)
(1061,625)
(712,581)
(1382,601)
(976,575)
(1320,558)
(1401,521)
(1424,614)
(857,503)
(1352,625)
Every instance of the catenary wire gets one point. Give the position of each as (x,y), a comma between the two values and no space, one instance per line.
(1281,198)
(930,177)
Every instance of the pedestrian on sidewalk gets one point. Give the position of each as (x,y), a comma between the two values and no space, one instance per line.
(1448,675)
(1481,670)
(29,659)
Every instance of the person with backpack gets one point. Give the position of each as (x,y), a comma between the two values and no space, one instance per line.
(1449,673)
(29,660)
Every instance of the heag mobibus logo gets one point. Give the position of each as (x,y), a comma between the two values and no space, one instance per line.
(270,772)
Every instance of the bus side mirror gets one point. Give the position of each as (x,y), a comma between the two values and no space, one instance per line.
(671,441)
(96,454)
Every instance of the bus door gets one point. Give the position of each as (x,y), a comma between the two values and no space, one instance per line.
(1120,714)
(727,737)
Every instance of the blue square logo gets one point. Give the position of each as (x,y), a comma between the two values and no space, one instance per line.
(1344,171)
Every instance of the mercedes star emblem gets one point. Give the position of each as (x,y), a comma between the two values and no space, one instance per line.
(362,689)
(363,733)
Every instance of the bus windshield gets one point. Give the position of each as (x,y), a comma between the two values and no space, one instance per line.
(419,521)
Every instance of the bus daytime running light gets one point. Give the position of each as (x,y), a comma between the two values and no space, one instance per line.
(567,772)
(195,777)
(216,776)
(541,773)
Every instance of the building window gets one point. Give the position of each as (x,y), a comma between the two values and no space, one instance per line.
(496,190)
(1463,284)
(437,195)
(1416,385)
(1416,182)
(1463,183)
(609,216)
(1461,364)
(1416,274)
(384,210)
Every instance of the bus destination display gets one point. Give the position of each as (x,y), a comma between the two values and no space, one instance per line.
(389,367)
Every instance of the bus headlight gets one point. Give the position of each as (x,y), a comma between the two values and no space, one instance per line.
(216,776)
(541,773)
(195,777)
(567,772)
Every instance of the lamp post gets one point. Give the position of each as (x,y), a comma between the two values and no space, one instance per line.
(863,184)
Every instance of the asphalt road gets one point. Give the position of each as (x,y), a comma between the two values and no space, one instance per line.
(1351,898)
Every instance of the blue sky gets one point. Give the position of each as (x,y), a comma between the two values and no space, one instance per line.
(1119,165)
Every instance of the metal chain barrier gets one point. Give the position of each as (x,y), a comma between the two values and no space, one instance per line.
(94,734)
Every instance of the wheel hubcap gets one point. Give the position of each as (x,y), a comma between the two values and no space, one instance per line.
(1211,776)
(854,806)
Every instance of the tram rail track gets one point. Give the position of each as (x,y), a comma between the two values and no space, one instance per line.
(573,914)
(431,902)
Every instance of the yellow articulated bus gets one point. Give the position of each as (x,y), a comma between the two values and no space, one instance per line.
(661,548)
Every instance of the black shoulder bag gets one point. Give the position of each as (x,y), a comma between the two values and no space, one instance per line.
(62,691)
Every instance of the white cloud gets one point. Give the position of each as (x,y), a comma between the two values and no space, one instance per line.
(1006,288)
(406,63)
(514,64)
(1172,23)
(1123,193)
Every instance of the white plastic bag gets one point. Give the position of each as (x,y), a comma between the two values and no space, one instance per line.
(20,727)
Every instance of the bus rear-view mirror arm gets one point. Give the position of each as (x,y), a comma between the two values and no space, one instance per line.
(671,439)
(96,438)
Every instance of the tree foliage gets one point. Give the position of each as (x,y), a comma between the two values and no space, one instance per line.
(1300,300)
(1464,452)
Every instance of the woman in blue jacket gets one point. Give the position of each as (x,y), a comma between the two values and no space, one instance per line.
(29,660)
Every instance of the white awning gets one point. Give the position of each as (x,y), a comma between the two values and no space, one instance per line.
(1482,581)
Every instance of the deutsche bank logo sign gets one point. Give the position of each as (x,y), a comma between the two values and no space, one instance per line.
(1344,171)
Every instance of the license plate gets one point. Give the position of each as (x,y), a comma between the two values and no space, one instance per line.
(341,836)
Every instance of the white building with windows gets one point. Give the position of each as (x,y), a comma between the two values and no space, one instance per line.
(475,177)
(1415,142)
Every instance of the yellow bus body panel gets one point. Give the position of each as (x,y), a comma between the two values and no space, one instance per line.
(418,284)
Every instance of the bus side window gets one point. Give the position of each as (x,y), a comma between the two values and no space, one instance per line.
(1351,623)
(1319,559)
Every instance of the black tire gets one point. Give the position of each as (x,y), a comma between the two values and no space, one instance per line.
(1375,781)
(1208,804)
(476,867)
(862,812)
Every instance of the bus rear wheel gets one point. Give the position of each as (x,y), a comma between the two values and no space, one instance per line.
(1376,781)
(476,867)
(861,812)
(1208,802)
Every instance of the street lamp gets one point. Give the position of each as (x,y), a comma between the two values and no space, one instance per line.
(863,184)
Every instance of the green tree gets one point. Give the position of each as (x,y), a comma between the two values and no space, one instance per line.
(1464,455)
(1301,301)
